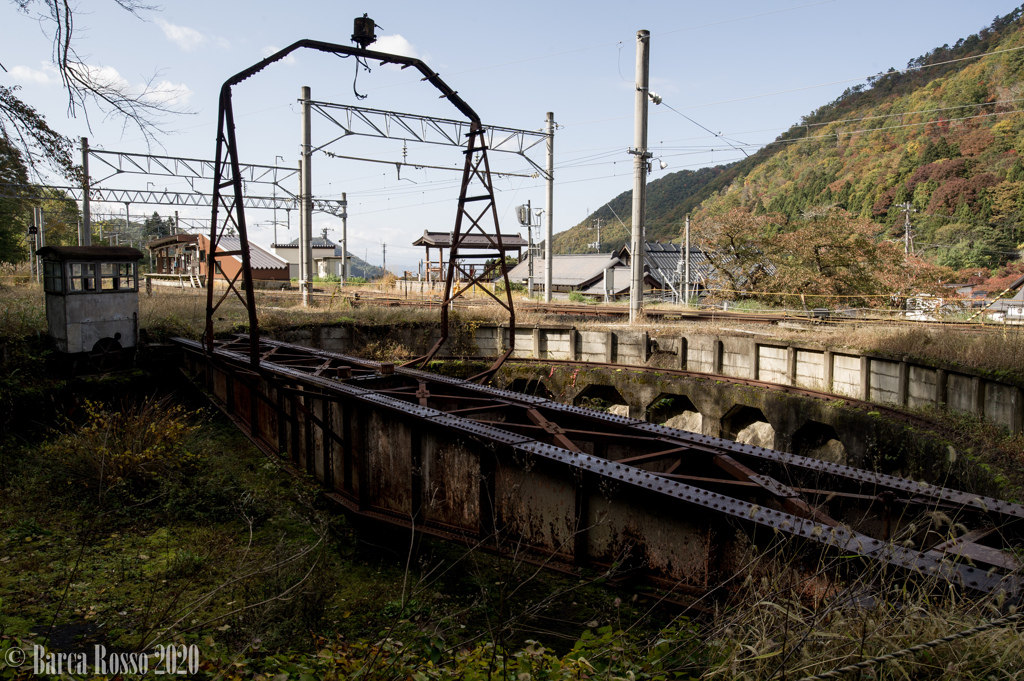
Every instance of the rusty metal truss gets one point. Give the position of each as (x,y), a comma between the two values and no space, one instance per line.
(228,210)
(574,487)
(476,209)
(360,121)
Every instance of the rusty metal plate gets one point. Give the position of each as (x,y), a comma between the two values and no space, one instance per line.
(427,376)
(775,487)
(401,405)
(913,488)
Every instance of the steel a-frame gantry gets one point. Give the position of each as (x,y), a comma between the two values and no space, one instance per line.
(476,203)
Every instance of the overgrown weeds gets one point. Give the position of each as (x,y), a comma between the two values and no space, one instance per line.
(126,451)
(998,351)
(22,312)
(769,630)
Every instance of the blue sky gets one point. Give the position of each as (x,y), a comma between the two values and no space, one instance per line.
(745,69)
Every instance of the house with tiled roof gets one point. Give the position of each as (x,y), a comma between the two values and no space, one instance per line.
(665,263)
(322,248)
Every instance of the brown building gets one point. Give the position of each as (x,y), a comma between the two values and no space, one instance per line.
(175,254)
(266,267)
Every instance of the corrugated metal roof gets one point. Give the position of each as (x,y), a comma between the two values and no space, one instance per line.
(258,258)
(566,270)
(444,240)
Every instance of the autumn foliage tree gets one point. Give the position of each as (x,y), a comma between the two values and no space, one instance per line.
(826,258)
(734,244)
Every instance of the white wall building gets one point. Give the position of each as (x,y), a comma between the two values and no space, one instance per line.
(322,248)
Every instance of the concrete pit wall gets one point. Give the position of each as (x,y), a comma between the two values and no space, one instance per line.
(821,429)
(872,378)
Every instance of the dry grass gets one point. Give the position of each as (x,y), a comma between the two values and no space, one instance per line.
(1000,351)
(22,312)
(770,630)
(182,312)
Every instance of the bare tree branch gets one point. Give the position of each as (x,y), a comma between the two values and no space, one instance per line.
(88,88)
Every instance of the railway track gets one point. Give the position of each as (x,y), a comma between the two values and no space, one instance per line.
(578,488)
(653,313)
(656,313)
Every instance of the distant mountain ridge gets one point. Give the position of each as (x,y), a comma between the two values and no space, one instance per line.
(945,136)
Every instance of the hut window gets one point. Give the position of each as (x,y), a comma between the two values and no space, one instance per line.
(52,279)
(117,276)
(81,277)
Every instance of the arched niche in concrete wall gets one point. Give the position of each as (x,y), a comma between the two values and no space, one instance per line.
(603,398)
(819,441)
(674,411)
(748,425)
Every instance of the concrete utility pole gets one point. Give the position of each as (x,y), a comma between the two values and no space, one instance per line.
(306,172)
(597,244)
(86,222)
(686,257)
(908,238)
(302,230)
(531,255)
(548,256)
(640,156)
(344,239)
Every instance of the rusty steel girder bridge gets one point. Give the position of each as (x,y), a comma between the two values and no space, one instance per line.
(571,487)
(564,486)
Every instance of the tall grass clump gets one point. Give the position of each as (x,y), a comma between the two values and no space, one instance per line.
(22,312)
(777,627)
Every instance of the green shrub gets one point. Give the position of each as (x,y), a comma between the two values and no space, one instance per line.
(513,286)
(128,450)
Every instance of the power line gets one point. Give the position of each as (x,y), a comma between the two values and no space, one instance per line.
(811,87)
(716,134)
(617,42)
(855,120)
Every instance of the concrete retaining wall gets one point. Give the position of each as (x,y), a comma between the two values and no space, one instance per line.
(866,377)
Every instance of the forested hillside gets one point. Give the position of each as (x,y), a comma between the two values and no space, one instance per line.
(669,199)
(945,135)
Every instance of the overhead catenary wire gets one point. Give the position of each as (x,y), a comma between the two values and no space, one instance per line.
(703,127)
(854,120)
(616,42)
(817,85)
